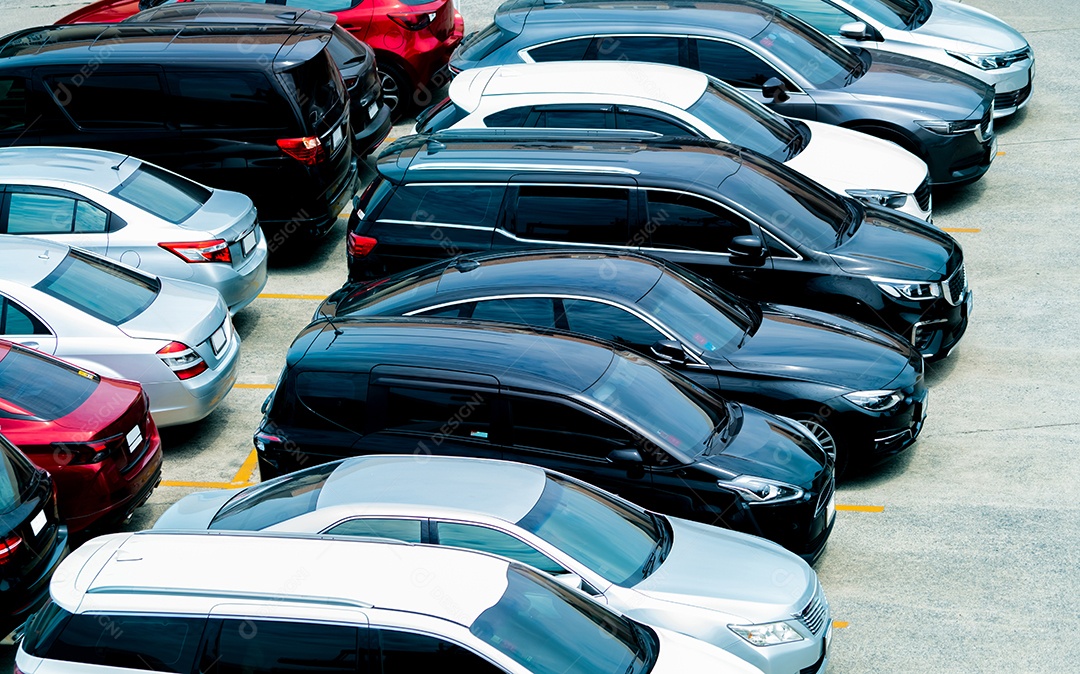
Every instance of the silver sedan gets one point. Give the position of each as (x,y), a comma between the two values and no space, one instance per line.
(174,337)
(140,214)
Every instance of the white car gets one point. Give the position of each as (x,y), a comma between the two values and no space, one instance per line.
(176,338)
(677,101)
(222,603)
(959,36)
(129,210)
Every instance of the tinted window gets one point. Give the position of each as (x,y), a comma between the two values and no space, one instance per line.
(154,643)
(44,388)
(481,43)
(658,49)
(338,397)
(818,13)
(343,47)
(894,13)
(648,122)
(12,103)
(569,50)
(495,542)
(227,101)
(247,646)
(14,320)
(706,322)
(559,427)
(15,475)
(611,323)
(100,288)
(274,502)
(40,214)
(684,221)
(398,530)
(404,653)
(745,122)
(166,195)
(111,100)
(476,205)
(534,311)
(442,412)
(442,115)
(513,117)
(566,118)
(89,219)
(573,214)
(321,5)
(823,62)
(319,90)
(43,628)
(733,64)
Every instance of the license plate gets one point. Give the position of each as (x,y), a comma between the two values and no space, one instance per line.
(248,242)
(134,439)
(830,509)
(373,110)
(335,138)
(38,523)
(217,340)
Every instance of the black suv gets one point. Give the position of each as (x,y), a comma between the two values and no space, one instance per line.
(259,109)
(750,224)
(610,417)
(369,116)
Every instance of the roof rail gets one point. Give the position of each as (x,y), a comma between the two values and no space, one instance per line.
(230,594)
(502,134)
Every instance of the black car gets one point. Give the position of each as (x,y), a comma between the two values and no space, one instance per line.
(859,390)
(941,115)
(751,225)
(610,417)
(369,116)
(32,541)
(259,109)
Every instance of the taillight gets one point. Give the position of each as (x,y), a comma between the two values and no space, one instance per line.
(182,360)
(360,246)
(86,453)
(214,250)
(8,547)
(350,82)
(414,20)
(307,150)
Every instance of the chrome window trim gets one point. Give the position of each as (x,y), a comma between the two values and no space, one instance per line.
(423,631)
(431,223)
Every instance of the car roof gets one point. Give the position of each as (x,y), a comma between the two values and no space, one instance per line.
(196,571)
(26,260)
(680,87)
(501,489)
(98,169)
(745,18)
(233,12)
(556,361)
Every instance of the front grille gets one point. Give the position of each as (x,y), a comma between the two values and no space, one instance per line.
(986,125)
(1011,99)
(814,615)
(956,286)
(922,195)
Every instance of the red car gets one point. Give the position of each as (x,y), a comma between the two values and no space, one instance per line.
(412,39)
(93,434)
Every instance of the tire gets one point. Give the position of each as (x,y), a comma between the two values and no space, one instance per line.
(396,90)
(827,440)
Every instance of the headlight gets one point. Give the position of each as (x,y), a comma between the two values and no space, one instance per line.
(945,128)
(875,401)
(761,490)
(887,198)
(982,61)
(912,290)
(768,634)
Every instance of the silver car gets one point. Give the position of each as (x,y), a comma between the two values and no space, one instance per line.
(140,214)
(174,337)
(958,36)
(739,592)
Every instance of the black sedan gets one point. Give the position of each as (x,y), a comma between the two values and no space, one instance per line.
(858,389)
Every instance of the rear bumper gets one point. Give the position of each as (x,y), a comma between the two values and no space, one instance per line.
(372,135)
(239,287)
(126,495)
(184,402)
(20,602)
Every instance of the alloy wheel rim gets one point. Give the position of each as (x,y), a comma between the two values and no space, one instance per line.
(391,93)
(828,443)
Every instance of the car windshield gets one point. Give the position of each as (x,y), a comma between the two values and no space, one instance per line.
(43,388)
(389,293)
(743,121)
(15,474)
(897,14)
(690,312)
(799,46)
(105,290)
(663,406)
(272,503)
(166,195)
(549,629)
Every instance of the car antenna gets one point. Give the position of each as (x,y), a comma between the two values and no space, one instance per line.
(121,162)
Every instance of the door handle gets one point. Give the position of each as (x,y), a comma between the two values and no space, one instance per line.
(32,345)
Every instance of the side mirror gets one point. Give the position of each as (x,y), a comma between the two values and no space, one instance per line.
(669,351)
(748,246)
(858,30)
(775,89)
(627,455)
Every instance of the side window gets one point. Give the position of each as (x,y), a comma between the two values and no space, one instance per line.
(441,411)
(733,64)
(337,397)
(398,530)
(476,205)
(89,219)
(111,100)
(406,653)
(648,121)
(571,118)
(653,49)
(573,214)
(152,643)
(14,320)
(684,221)
(611,323)
(228,101)
(246,646)
(495,542)
(40,214)
(453,311)
(322,5)
(12,103)
(818,13)
(511,117)
(558,427)
(535,311)
(569,50)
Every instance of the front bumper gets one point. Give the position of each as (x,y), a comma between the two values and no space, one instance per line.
(871,438)
(957,160)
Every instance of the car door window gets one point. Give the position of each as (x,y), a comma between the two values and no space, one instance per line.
(611,323)
(572,118)
(573,214)
(15,320)
(473,205)
(395,529)
(655,122)
(818,13)
(110,100)
(511,117)
(535,311)
(12,103)
(406,653)
(247,646)
(322,5)
(558,426)
(40,214)
(89,219)
(567,50)
(339,398)
(152,643)
(227,101)
(473,537)
(443,412)
(734,65)
(651,49)
(687,222)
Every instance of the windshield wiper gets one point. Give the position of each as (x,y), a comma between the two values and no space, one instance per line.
(661,545)
(795,145)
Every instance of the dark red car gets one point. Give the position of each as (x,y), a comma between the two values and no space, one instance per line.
(412,39)
(93,434)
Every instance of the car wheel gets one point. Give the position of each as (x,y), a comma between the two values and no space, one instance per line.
(396,90)
(828,442)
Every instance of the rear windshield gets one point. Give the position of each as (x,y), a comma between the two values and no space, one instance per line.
(442,115)
(166,195)
(101,288)
(272,503)
(15,475)
(346,51)
(481,43)
(44,388)
(320,91)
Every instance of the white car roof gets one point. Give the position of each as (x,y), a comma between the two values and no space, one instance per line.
(676,86)
(92,168)
(26,260)
(507,491)
(196,571)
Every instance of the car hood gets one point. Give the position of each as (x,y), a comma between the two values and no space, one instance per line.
(746,577)
(679,654)
(927,90)
(182,311)
(195,511)
(963,28)
(810,346)
(758,438)
(869,163)
(891,245)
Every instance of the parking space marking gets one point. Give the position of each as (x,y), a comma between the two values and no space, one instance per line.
(839,624)
(962,230)
(861,508)
(290,296)
(203,485)
(247,469)
(253,386)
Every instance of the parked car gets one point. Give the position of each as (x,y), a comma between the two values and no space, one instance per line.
(653,568)
(369,115)
(187,602)
(751,225)
(412,40)
(859,390)
(674,101)
(93,434)
(173,337)
(355,387)
(32,539)
(140,214)
(963,37)
(942,116)
(259,109)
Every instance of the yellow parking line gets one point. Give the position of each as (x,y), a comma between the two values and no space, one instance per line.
(202,485)
(253,386)
(289,296)
(861,508)
(1001,154)
(839,624)
(247,469)
(962,230)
